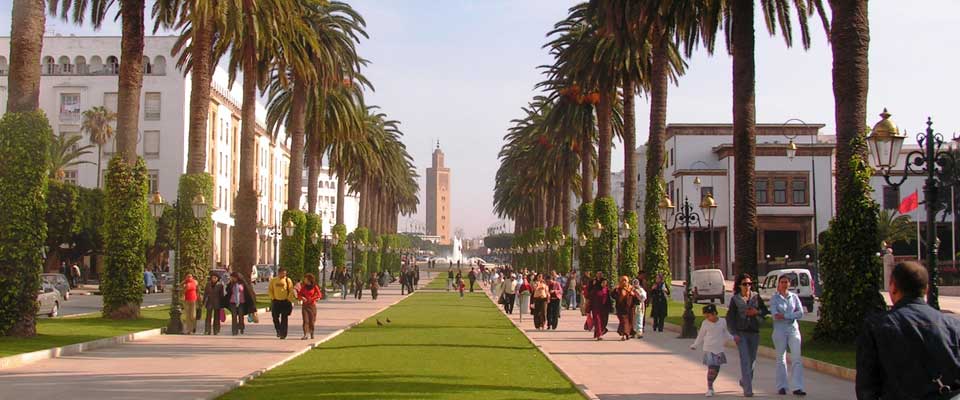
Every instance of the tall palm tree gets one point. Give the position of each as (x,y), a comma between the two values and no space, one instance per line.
(98,124)
(850,38)
(65,152)
(26,43)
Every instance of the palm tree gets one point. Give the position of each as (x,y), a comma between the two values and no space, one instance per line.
(66,153)
(850,39)
(26,43)
(893,228)
(98,124)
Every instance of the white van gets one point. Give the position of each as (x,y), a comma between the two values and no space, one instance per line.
(708,285)
(801,283)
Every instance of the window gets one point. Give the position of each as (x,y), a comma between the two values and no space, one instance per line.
(81,63)
(151,143)
(672,156)
(69,106)
(154,181)
(705,190)
(113,66)
(761,188)
(151,106)
(3,66)
(891,197)
(65,66)
(70,176)
(780,191)
(49,67)
(799,187)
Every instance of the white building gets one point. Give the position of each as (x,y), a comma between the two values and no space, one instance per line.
(327,202)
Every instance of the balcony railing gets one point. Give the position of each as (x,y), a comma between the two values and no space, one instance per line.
(86,69)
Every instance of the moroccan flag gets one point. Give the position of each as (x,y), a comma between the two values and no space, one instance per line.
(910,203)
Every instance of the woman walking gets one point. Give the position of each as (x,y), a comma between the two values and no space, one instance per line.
(212,299)
(523,297)
(541,294)
(599,306)
(190,296)
(308,295)
(374,285)
(626,307)
(743,321)
(240,301)
(659,296)
(641,307)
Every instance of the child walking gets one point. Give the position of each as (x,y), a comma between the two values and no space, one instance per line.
(460,285)
(713,335)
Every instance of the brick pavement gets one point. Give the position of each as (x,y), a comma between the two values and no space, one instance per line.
(183,367)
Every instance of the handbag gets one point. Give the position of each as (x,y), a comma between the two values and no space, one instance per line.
(502,299)
(222,314)
(588,325)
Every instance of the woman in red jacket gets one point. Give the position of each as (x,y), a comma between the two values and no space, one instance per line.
(308,294)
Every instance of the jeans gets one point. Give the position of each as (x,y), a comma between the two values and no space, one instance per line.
(472,281)
(749,341)
(449,283)
(343,291)
(553,313)
(511,298)
(784,337)
(236,318)
(571,299)
(212,319)
(638,319)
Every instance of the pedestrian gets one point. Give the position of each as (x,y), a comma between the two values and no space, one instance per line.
(570,290)
(553,304)
(909,352)
(585,287)
(743,321)
(212,303)
(75,274)
(411,280)
(599,306)
(190,296)
(787,310)
(344,282)
(149,281)
(374,285)
(403,280)
(641,307)
(496,286)
(308,295)
(240,301)
(358,286)
(509,289)
(659,295)
(541,295)
(713,335)
(281,301)
(449,279)
(627,301)
(472,276)
(523,296)
(460,285)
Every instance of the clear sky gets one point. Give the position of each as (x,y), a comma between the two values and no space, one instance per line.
(458,71)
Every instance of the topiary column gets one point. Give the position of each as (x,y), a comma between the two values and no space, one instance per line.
(24,139)
(292,247)
(655,240)
(604,248)
(373,257)
(126,231)
(196,235)
(311,253)
(339,252)
(584,223)
(360,236)
(629,247)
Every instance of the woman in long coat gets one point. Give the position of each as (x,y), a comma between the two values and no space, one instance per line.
(627,301)
(658,296)
(524,291)
(599,306)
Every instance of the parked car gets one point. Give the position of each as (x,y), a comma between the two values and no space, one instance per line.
(264,272)
(801,283)
(58,282)
(708,285)
(48,301)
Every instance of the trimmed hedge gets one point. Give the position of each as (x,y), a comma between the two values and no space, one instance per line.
(196,236)
(339,252)
(850,270)
(360,236)
(62,199)
(90,236)
(126,231)
(373,256)
(655,240)
(24,139)
(584,222)
(605,210)
(311,253)
(629,247)
(556,263)
(292,247)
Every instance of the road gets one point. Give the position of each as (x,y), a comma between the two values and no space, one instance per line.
(83,304)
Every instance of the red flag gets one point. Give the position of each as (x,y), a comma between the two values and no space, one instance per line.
(910,203)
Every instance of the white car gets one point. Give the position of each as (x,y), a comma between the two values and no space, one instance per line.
(801,283)
(708,285)
(48,301)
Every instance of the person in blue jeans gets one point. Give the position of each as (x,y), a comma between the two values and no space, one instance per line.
(787,310)
(743,321)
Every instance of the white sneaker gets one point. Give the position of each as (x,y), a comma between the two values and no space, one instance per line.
(709,393)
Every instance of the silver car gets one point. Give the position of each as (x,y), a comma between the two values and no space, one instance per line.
(59,282)
(48,301)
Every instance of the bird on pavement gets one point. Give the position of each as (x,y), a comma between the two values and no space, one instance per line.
(379,323)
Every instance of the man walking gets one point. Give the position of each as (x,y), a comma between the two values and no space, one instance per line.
(553,306)
(912,351)
(472,276)
(509,289)
(449,279)
(571,291)
(281,301)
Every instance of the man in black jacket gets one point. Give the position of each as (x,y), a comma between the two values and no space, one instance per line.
(912,351)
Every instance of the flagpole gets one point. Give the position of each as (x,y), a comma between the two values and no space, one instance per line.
(918,229)
(953,228)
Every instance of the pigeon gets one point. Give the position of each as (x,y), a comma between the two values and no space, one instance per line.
(379,323)
(388,320)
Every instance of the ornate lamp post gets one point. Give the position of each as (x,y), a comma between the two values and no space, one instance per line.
(885,142)
(275,232)
(709,207)
(791,153)
(199,208)
(582,241)
(686,217)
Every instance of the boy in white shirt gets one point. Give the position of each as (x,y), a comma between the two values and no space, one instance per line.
(713,335)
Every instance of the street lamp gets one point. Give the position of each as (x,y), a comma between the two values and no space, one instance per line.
(199,209)
(885,142)
(275,233)
(686,217)
(791,153)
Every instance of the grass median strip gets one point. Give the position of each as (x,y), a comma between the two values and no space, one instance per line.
(844,355)
(436,346)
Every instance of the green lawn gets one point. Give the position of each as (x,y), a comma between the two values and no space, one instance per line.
(844,355)
(57,332)
(441,281)
(437,347)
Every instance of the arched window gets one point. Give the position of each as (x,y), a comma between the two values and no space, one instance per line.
(3,65)
(147,70)
(48,65)
(81,65)
(159,65)
(113,65)
(64,64)
(96,65)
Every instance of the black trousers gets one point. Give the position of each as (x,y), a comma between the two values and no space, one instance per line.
(280,311)
(553,313)
(213,318)
(472,281)
(511,298)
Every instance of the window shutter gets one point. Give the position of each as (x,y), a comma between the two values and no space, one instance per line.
(151,143)
(151,107)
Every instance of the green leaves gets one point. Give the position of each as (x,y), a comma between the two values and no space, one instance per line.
(339,252)
(629,247)
(655,246)
(311,253)
(584,222)
(196,236)
(292,247)
(605,209)
(126,232)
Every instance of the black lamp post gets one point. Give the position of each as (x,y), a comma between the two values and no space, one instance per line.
(275,232)
(885,142)
(199,208)
(687,217)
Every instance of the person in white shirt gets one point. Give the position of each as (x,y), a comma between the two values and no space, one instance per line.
(713,335)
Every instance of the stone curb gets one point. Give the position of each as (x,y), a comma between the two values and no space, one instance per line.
(581,387)
(834,370)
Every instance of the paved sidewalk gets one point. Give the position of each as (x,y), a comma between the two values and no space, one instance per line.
(182,367)
(660,366)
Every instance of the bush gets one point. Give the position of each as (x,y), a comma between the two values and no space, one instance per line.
(360,237)
(89,238)
(605,210)
(292,247)
(373,257)
(24,139)
(555,257)
(584,222)
(195,234)
(311,253)
(655,246)
(849,268)
(339,252)
(498,241)
(62,215)
(126,231)
(629,247)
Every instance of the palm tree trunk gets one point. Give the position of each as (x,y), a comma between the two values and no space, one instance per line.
(99,159)
(298,118)
(26,44)
(341,194)
(313,174)
(201,74)
(567,190)
(629,145)
(364,204)
(586,167)
(850,38)
(558,196)
(744,137)
(130,80)
(659,88)
(245,242)
(552,205)
(605,136)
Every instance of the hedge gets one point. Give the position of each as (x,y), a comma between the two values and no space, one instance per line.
(126,229)
(554,256)
(360,237)
(850,270)
(373,257)
(196,236)
(62,199)
(339,252)
(629,247)
(584,222)
(89,238)
(605,210)
(292,247)
(311,253)
(24,139)
(655,239)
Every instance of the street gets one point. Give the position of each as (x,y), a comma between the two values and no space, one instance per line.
(81,303)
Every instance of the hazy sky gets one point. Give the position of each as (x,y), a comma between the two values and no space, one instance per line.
(458,71)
